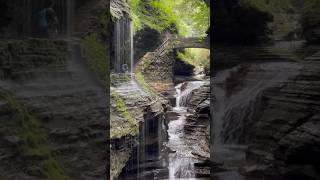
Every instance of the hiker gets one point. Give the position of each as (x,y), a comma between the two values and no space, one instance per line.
(48,22)
(125,68)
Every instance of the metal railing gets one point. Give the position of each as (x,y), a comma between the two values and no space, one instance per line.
(162,47)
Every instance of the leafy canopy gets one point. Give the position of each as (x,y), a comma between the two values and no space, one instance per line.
(196,56)
(186,17)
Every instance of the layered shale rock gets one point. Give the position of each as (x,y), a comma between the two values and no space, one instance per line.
(285,143)
(157,70)
(62,106)
(139,116)
(197,128)
(230,56)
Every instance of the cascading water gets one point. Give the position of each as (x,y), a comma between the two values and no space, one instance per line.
(131,48)
(237,94)
(181,162)
(123,46)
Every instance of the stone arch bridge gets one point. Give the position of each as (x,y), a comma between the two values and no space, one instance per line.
(157,66)
(181,43)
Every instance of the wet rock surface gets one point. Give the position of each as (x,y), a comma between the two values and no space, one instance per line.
(197,128)
(286,142)
(69,106)
(132,151)
(280,123)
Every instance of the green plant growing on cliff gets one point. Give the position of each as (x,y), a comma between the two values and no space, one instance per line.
(196,56)
(95,52)
(139,77)
(128,116)
(186,17)
(104,22)
(134,13)
(34,141)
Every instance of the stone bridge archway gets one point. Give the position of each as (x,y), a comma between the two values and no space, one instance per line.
(181,43)
(157,66)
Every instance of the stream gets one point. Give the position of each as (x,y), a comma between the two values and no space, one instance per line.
(181,161)
(173,158)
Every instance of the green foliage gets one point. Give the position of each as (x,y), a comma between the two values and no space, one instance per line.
(135,12)
(34,139)
(140,79)
(95,52)
(122,109)
(187,17)
(195,56)
(103,22)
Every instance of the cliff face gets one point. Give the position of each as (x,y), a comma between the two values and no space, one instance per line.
(133,115)
(311,21)
(197,128)
(91,16)
(238,23)
(272,107)
(62,113)
(158,70)
(286,139)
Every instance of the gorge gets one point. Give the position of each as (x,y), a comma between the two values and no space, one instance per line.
(129,89)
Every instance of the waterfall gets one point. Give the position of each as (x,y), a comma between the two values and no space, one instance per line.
(131,47)
(234,107)
(184,92)
(237,105)
(123,46)
(181,163)
(178,95)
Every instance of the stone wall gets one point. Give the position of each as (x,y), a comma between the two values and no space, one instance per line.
(53,114)
(17,56)
(157,70)
(285,141)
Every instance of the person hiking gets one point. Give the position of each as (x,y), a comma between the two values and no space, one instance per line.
(48,22)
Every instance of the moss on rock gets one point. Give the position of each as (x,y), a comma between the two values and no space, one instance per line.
(95,53)
(33,144)
(131,121)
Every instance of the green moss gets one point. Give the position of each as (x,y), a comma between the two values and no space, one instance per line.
(139,77)
(116,79)
(53,170)
(103,22)
(195,56)
(95,52)
(144,85)
(129,117)
(34,139)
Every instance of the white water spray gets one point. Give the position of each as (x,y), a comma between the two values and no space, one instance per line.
(181,162)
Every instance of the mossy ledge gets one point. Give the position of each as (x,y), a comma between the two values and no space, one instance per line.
(34,146)
(95,54)
(127,115)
